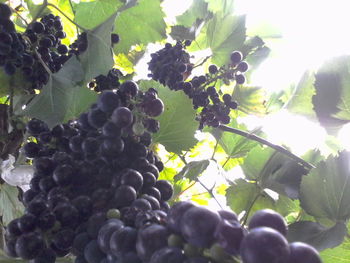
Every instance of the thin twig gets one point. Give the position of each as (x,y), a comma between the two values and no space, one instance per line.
(70,20)
(187,188)
(42,62)
(245,218)
(200,64)
(214,151)
(21,17)
(278,148)
(210,191)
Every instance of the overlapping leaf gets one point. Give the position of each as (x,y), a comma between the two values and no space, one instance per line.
(192,170)
(10,206)
(177,123)
(318,236)
(197,11)
(325,192)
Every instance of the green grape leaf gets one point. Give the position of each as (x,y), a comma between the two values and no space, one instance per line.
(61,97)
(339,254)
(177,123)
(317,235)
(10,206)
(192,170)
(255,52)
(141,24)
(91,14)
(34,9)
(226,6)
(181,33)
(69,28)
(301,100)
(243,195)
(98,58)
(197,11)
(274,170)
(234,145)
(222,34)
(250,99)
(325,192)
(332,99)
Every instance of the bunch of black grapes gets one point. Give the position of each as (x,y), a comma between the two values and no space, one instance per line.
(88,170)
(171,66)
(106,82)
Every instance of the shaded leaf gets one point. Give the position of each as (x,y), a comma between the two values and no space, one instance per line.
(197,11)
(98,58)
(183,33)
(91,14)
(141,24)
(177,123)
(35,8)
(61,98)
(10,206)
(325,192)
(225,6)
(318,236)
(332,99)
(192,170)
(243,195)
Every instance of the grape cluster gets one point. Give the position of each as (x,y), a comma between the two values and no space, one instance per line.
(88,171)
(109,82)
(171,66)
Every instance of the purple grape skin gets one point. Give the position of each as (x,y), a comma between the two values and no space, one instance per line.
(264,245)
(228,215)
(302,252)
(122,117)
(198,226)
(168,254)
(105,233)
(229,235)
(175,214)
(159,236)
(268,218)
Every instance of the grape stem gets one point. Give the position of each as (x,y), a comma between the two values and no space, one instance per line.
(278,148)
(245,218)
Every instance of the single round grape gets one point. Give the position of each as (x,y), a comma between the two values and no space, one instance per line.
(229,235)
(29,245)
(268,218)
(302,252)
(264,245)
(198,225)
(27,223)
(79,243)
(141,204)
(213,69)
(175,215)
(236,57)
(242,66)
(123,240)
(132,177)
(168,254)
(240,79)
(5,11)
(38,27)
(108,101)
(47,255)
(64,238)
(165,188)
(129,88)
(115,38)
(124,196)
(105,233)
(92,252)
(154,108)
(122,117)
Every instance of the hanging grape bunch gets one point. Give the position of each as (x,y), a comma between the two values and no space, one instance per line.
(171,66)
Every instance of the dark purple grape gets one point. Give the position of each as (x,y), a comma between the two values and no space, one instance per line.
(97,118)
(109,129)
(153,201)
(37,206)
(229,235)
(149,179)
(38,27)
(228,215)
(123,240)
(31,150)
(175,215)
(66,214)
(152,191)
(122,117)
(268,218)
(302,252)
(64,239)
(108,101)
(129,88)
(198,225)
(12,228)
(92,252)
(63,175)
(240,79)
(46,220)
(236,57)
(105,233)
(29,245)
(131,177)
(114,38)
(242,66)
(141,204)
(79,243)
(27,223)
(264,245)
(124,196)
(159,236)
(154,107)
(213,69)
(165,188)
(5,11)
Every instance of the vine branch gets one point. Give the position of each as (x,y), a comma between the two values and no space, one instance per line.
(256,138)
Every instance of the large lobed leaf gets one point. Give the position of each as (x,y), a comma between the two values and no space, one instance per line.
(177,123)
(325,192)
(317,235)
(340,254)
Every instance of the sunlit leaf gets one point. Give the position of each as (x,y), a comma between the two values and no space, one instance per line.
(339,254)
(177,123)
(192,170)
(10,206)
(197,11)
(250,99)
